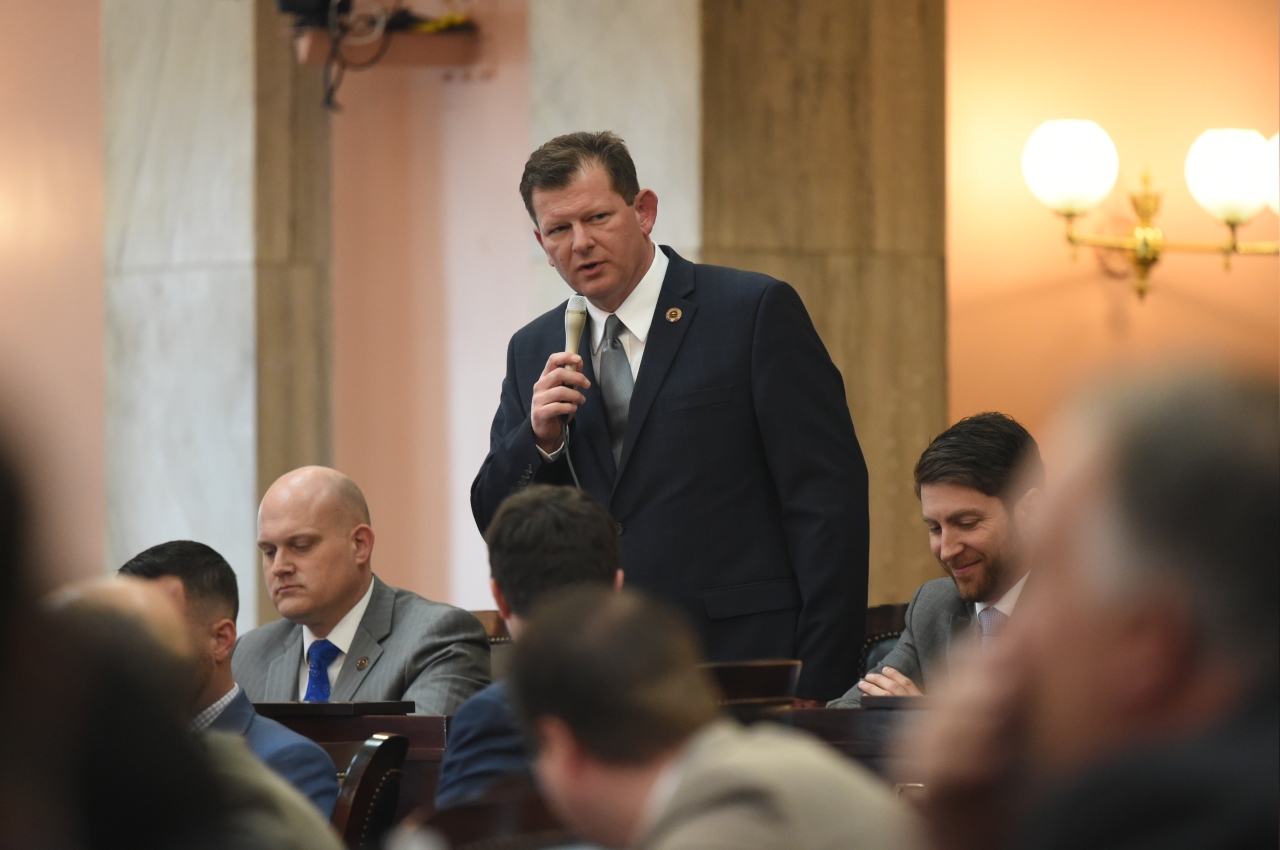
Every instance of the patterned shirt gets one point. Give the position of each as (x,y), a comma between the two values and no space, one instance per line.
(204,719)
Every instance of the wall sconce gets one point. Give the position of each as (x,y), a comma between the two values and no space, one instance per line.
(1071,165)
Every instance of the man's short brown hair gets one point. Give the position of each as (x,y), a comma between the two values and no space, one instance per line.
(555,164)
(620,670)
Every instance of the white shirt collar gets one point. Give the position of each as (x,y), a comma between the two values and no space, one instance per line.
(637,311)
(343,633)
(1006,602)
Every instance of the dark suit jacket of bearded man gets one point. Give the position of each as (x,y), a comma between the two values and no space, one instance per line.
(406,648)
(741,492)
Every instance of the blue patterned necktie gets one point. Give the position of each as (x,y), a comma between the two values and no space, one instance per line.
(616,384)
(322,654)
(992,621)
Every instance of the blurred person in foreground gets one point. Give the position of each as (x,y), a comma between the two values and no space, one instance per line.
(542,540)
(94,750)
(204,587)
(347,636)
(979,484)
(259,809)
(1138,705)
(632,750)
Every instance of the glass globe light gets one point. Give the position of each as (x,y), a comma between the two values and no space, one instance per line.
(1226,173)
(1271,173)
(1070,165)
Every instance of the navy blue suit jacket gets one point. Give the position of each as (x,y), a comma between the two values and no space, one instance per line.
(299,760)
(484,745)
(741,493)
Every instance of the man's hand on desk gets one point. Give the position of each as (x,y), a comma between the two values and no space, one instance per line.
(557,393)
(888,683)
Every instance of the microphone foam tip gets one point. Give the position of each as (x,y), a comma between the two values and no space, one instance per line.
(577,303)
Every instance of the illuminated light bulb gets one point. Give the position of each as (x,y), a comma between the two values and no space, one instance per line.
(1226,173)
(1070,165)
(1271,173)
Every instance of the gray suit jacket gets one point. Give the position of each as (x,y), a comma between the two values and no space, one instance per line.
(773,788)
(428,652)
(936,618)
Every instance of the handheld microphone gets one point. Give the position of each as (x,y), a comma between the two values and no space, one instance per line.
(575,319)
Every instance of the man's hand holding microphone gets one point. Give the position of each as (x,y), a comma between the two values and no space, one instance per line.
(559,392)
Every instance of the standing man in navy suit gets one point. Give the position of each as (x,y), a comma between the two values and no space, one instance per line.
(204,586)
(704,412)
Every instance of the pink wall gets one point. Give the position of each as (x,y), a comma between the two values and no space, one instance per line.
(1026,322)
(51,269)
(430,260)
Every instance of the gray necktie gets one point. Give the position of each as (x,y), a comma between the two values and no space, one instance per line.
(615,384)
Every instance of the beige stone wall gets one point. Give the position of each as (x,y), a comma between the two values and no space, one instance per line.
(823,134)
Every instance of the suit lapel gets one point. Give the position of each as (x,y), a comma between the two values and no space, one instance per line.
(374,626)
(659,349)
(589,434)
(283,674)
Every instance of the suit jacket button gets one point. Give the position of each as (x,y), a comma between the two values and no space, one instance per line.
(617,526)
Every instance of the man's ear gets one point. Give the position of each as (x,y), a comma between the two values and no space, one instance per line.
(223,633)
(504,610)
(618,579)
(537,234)
(1027,509)
(646,207)
(362,540)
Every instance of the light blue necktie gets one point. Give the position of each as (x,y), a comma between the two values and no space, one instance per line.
(992,621)
(322,654)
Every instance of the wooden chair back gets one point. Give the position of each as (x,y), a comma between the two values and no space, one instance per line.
(499,642)
(884,626)
(756,690)
(369,787)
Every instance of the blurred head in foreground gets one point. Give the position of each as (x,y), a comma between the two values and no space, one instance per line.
(1158,571)
(609,687)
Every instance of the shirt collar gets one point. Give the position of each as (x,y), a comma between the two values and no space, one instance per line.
(637,311)
(345,632)
(1005,604)
(204,719)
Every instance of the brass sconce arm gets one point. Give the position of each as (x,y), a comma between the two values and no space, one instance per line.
(1147,243)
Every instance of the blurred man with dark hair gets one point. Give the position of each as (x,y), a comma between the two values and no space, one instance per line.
(203,585)
(979,484)
(542,540)
(632,750)
(1138,706)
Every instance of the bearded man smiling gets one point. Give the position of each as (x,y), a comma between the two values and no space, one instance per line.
(979,484)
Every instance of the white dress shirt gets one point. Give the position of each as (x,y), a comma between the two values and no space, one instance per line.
(636,315)
(341,636)
(1005,604)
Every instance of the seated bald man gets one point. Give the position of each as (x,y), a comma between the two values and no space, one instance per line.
(346,636)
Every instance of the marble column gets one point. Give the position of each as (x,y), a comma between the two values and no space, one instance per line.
(216,274)
(823,165)
(630,67)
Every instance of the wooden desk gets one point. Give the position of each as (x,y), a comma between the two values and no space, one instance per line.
(863,734)
(426,736)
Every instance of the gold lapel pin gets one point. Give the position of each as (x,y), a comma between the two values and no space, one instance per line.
(362,663)
(674,314)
